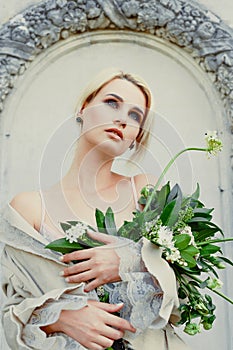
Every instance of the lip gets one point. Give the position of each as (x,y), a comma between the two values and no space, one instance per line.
(116,132)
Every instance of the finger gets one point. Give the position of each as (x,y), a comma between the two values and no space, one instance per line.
(113,333)
(103,341)
(77,255)
(92,285)
(94,346)
(102,237)
(81,277)
(77,268)
(106,306)
(119,323)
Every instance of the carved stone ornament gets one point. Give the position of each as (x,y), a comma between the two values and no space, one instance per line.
(182,22)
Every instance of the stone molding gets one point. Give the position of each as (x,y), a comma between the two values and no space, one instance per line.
(186,24)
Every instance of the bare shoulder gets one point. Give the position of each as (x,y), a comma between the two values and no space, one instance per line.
(28,205)
(142,180)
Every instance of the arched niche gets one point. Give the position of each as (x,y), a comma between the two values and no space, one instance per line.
(185,52)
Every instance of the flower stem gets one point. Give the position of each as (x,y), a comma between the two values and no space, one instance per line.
(169,164)
(214,241)
(213,290)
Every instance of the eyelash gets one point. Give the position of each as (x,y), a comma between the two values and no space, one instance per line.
(115,105)
(112,103)
(138,117)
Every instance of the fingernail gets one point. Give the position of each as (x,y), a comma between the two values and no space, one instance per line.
(67,279)
(61,258)
(61,273)
(120,304)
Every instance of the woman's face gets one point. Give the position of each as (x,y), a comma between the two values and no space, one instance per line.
(113,117)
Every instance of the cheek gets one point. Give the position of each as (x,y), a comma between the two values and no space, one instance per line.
(133,131)
(95,117)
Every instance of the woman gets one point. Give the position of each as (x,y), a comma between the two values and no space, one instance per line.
(45,310)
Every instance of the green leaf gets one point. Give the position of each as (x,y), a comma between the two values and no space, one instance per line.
(192,250)
(226,260)
(109,221)
(142,200)
(198,219)
(182,241)
(169,216)
(62,245)
(174,193)
(209,249)
(202,234)
(99,217)
(167,212)
(203,210)
(188,258)
(147,216)
(65,226)
(86,241)
(162,195)
(205,223)
(196,194)
(174,213)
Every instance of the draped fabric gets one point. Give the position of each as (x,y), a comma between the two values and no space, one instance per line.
(35,293)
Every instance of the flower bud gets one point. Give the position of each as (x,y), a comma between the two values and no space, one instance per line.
(214,283)
(207,326)
(192,328)
(220,265)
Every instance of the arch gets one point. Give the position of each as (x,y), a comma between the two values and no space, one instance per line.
(189,25)
(182,24)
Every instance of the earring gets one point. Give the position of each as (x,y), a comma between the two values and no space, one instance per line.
(132,145)
(79,120)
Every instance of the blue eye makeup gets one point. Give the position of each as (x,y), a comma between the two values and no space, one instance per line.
(112,103)
(135,116)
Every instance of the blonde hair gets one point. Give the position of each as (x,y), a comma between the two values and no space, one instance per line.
(105,77)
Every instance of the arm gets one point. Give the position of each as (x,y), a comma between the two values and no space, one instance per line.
(33,309)
(93,326)
(37,297)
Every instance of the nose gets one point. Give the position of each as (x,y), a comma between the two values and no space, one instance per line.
(120,122)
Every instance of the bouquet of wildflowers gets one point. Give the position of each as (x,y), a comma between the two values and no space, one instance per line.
(183,229)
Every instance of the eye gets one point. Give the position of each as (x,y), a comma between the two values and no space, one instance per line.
(112,103)
(135,116)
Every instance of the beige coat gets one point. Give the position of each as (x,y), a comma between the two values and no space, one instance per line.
(35,293)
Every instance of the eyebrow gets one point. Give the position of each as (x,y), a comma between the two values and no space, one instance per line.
(121,100)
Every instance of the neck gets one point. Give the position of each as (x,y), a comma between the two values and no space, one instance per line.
(89,167)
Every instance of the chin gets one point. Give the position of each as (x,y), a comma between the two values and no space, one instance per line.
(113,150)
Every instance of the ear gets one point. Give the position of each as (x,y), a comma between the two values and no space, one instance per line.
(83,107)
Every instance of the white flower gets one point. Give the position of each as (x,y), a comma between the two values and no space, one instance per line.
(173,256)
(165,237)
(188,231)
(74,232)
(214,144)
(150,224)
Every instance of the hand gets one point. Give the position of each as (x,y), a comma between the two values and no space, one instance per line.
(93,326)
(100,265)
